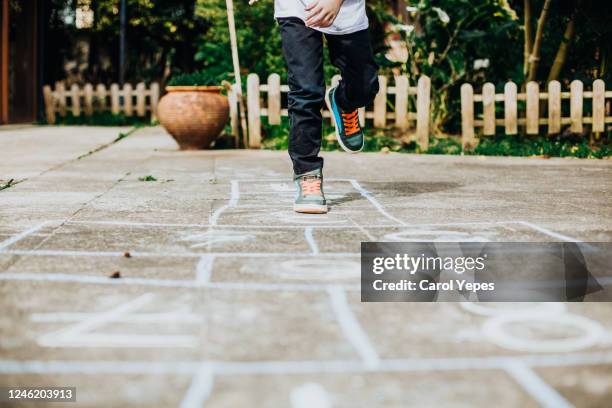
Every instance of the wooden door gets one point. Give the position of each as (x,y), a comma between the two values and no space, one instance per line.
(23,85)
(4,62)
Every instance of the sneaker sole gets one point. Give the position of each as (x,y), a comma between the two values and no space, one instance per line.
(310,208)
(338,138)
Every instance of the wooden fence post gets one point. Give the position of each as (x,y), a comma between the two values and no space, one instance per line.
(554,107)
(467,117)
(254,111)
(511,108)
(533,108)
(274,99)
(154,100)
(423,112)
(141,109)
(101,96)
(401,102)
(60,90)
(488,109)
(128,104)
(49,104)
(599,106)
(232,97)
(380,104)
(115,99)
(576,106)
(362,116)
(76,100)
(88,100)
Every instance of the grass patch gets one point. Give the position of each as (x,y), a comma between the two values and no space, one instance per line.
(387,140)
(151,178)
(545,146)
(7,184)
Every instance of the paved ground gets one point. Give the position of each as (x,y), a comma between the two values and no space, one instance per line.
(230,299)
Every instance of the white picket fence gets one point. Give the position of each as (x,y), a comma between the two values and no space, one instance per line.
(391,106)
(129,100)
(380,115)
(530,117)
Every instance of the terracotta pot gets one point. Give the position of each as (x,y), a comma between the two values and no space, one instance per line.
(193,115)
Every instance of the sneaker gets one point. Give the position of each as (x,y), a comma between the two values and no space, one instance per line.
(310,198)
(348,130)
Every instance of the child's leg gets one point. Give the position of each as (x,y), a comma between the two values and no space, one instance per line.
(352,54)
(303,50)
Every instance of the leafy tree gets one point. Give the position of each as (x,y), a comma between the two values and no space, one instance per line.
(570,36)
(457,41)
(259,42)
(161,35)
(451,41)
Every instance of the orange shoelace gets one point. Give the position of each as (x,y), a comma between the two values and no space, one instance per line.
(311,186)
(351,122)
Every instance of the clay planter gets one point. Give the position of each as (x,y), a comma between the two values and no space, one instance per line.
(193,115)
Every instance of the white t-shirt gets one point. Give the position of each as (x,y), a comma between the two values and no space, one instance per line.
(352,16)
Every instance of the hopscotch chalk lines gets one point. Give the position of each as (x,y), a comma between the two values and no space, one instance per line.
(521,368)
(83,331)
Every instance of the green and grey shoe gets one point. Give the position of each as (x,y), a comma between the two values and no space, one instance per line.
(310,198)
(348,130)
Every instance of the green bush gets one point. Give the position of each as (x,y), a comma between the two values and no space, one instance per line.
(377,140)
(545,146)
(198,78)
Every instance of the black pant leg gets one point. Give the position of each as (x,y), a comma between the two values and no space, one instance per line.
(303,50)
(353,55)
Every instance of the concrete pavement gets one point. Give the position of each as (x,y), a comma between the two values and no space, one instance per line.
(228,298)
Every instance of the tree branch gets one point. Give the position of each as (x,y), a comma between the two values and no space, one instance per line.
(564,47)
(528,36)
(534,58)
